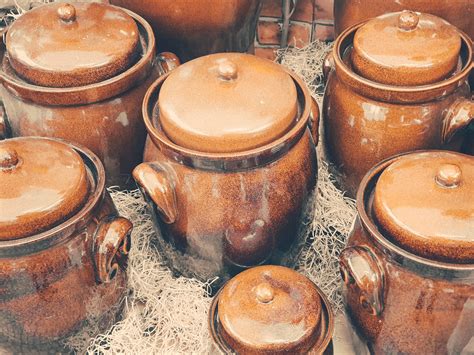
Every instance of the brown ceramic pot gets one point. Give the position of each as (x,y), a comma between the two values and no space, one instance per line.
(232,165)
(81,81)
(271,310)
(408,269)
(192,29)
(380,102)
(63,249)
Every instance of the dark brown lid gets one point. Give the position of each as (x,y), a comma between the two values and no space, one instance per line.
(406,48)
(425,202)
(227,102)
(42,182)
(65,45)
(270,309)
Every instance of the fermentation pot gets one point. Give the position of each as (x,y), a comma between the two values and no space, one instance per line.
(63,248)
(271,310)
(385,95)
(192,29)
(231,164)
(80,72)
(408,269)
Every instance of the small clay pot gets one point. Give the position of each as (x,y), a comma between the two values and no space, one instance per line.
(63,249)
(271,310)
(379,101)
(79,72)
(408,269)
(231,164)
(192,29)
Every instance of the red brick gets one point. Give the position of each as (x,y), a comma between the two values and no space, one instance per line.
(299,34)
(268,32)
(304,11)
(323,32)
(271,8)
(268,53)
(324,9)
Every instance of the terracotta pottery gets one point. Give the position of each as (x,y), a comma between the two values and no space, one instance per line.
(192,29)
(80,72)
(63,249)
(458,12)
(408,269)
(232,168)
(385,96)
(271,310)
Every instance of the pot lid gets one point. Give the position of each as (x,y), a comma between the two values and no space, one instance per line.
(42,182)
(65,45)
(270,309)
(424,201)
(228,102)
(406,48)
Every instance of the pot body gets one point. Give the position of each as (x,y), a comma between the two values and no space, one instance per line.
(400,306)
(227,221)
(361,131)
(193,29)
(458,12)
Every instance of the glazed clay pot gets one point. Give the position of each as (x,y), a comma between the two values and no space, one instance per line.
(63,249)
(79,83)
(408,269)
(232,168)
(271,310)
(192,29)
(378,103)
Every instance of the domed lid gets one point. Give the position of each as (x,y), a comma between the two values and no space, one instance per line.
(425,202)
(42,182)
(65,45)
(227,102)
(270,309)
(406,48)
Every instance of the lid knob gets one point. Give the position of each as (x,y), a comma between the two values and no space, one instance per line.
(227,70)
(67,13)
(449,175)
(264,292)
(8,158)
(408,20)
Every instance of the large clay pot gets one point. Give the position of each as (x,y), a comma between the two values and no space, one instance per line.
(63,249)
(80,73)
(231,165)
(380,102)
(192,29)
(408,269)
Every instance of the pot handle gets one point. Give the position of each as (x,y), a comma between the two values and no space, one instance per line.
(314,121)
(459,116)
(112,244)
(167,61)
(361,268)
(155,183)
(328,65)
(4,126)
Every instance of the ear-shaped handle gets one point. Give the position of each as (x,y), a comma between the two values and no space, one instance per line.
(4,126)
(156,184)
(459,116)
(111,247)
(314,121)
(328,65)
(167,62)
(360,268)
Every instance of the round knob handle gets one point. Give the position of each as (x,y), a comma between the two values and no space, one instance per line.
(67,13)
(227,70)
(449,175)
(408,20)
(265,293)
(8,158)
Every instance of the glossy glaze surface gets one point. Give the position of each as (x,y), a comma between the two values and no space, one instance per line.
(42,183)
(424,203)
(400,302)
(54,283)
(255,114)
(192,29)
(63,45)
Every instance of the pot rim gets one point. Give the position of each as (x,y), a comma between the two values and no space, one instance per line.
(364,192)
(402,93)
(94,92)
(326,311)
(234,160)
(73,224)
